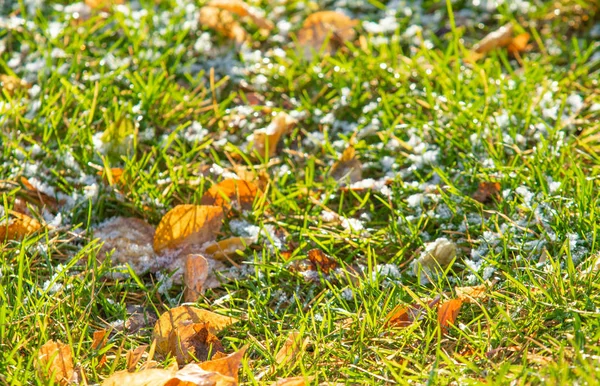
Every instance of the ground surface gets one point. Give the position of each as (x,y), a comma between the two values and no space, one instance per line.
(146,88)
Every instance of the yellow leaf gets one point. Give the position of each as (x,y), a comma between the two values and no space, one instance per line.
(242,9)
(185,315)
(471,294)
(18,227)
(228,365)
(223,22)
(12,84)
(320,26)
(190,375)
(266,139)
(226,248)
(231,192)
(186,225)
(293,345)
(55,362)
(194,276)
(293,381)
(192,342)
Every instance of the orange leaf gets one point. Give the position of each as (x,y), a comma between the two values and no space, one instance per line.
(231,192)
(228,247)
(113,175)
(194,276)
(192,342)
(242,9)
(266,139)
(470,294)
(185,315)
(502,37)
(223,22)
(447,313)
(186,225)
(487,191)
(134,356)
(54,362)
(519,44)
(99,339)
(404,316)
(33,194)
(321,261)
(190,375)
(320,26)
(18,227)
(228,365)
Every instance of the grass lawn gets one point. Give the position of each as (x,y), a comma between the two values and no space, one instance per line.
(129,110)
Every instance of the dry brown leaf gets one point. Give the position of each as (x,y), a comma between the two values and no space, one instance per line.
(321,261)
(134,356)
(320,26)
(99,339)
(502,37)
(348,167)
(55,362)
(242,9)
(487,191)
(293,345)
(231,193)
(192,342)
(519,44)
(266,139)
(33,194)
(227,248)
(18,227)
(194,276)
(404,316)
(293,381)
(471,294)
(185,315)
(186,225)
(12,84)
(227,365)
(447,313)
(190,375)
(223,22)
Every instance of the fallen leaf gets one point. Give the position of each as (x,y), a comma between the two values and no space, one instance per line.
(348,167)
(32,193)
(192,342)
(487,191)
(404,316)
(502,37)
(18,227)
(12,84)
(230,192)
(185,315)
(293,345)
(320,26)
(99,339)
(134,356)
(447,313)
(223,22)
(55,362)
(471,294)
(293,381)
(103,5)
(224,249)
(266,139)
(321,261)
(437,256)
(194,276)
(228,365)
(519,44)
(186,225)
(242,9)
(190,375)
(113,175)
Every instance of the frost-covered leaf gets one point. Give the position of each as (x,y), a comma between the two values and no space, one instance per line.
(348,167)
(447,313)
(242,9)
(55,362)
(187,225)
(223,22)
(18,226)
(320,26)
(231,193)
(266,139)
(186,315)
(227,248)
(194,276)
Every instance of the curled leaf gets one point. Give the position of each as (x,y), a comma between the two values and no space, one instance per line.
(348,167)
(404,316)
(194,276)
(229,193)
(266,139)
(185,315)
(228,365)
(242,9)
(487,191)
(134,356)
(320,26)
(55,362)
(502,37)
(447,313)
(186,225)
(519,44)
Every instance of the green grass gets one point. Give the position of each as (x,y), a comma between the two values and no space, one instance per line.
(138,87)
